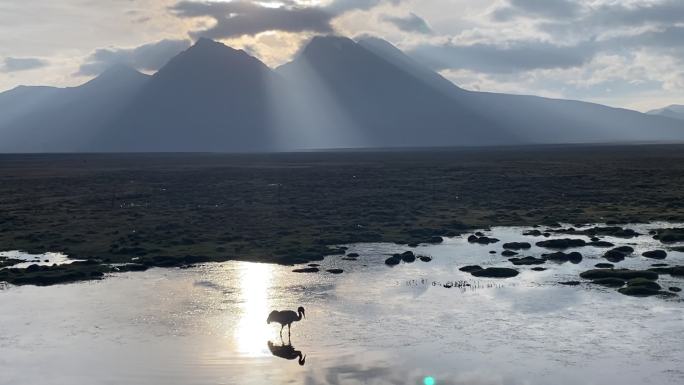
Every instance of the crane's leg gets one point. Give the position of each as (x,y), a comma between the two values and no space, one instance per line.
(281,332)
(288,334)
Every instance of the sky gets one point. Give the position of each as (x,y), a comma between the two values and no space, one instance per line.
(623,53)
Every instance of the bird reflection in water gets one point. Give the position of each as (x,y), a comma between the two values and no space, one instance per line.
(287,352)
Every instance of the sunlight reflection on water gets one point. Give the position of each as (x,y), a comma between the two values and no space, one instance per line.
(255,281)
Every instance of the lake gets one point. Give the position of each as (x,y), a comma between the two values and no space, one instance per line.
(373,324)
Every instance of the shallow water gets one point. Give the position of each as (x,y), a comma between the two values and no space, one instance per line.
(371,325)
(47,259)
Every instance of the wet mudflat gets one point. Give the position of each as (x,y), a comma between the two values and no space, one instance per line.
(371,324)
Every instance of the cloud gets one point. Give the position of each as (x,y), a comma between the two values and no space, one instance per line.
(339,7)
(555,9)
(239,18)
(514,57)
(148,57)
(410,23)
(15,64)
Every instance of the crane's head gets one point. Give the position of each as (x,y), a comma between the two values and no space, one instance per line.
(301,310)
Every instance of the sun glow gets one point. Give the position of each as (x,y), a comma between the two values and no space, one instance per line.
(252,332)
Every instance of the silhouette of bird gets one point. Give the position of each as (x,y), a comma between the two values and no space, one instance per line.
(286,317)
(287,352)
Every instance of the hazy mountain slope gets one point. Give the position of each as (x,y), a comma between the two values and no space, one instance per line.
(208,98)
(380,103)
(674,111)
(65,119)
(541,120)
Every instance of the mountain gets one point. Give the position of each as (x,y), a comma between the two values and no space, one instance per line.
(377,103)
(45,119)
(208,98)
(336,93)
(537,120)
(674,111)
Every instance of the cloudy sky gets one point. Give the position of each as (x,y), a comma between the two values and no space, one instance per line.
(627,53)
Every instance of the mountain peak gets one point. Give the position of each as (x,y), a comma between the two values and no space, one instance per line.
(206,46)
(210,56)
(328,42)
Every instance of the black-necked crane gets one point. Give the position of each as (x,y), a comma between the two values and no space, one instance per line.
(287,352)
(286,317)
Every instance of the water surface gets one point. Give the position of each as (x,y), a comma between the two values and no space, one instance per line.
(371,325)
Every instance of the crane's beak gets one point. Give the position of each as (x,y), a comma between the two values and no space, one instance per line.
(304,314)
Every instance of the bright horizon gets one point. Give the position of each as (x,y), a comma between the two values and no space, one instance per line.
(623,54)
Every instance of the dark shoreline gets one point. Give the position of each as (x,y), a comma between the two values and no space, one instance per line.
(180,209)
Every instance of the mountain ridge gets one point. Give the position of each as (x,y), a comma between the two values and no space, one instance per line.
(674,111)
(336,93)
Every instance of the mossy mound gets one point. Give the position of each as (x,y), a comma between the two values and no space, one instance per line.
(392,261)
(482,240)
(496,272)
(53,275)
(561,244)
(307,270)
(609,282)
(600,244)
(670,235)
(527,261)
(655,254)
(624,274)
(638,291)
(604,266)
(675,271)
(644,282)
(618,254)
(471,268)
(561,257)
(407,257)
(517,246)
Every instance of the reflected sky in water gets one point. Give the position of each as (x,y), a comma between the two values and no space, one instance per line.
(370,325)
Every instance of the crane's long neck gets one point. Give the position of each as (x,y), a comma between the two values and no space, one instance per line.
(302,358)
(299,315)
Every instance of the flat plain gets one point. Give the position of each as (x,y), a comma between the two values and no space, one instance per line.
(293,208)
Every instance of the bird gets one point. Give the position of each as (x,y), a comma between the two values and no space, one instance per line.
(287,352)
(285,317)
